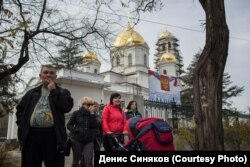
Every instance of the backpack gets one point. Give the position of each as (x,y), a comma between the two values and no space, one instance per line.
(149,134)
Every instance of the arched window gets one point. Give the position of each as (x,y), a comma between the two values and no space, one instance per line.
(118,60)
(169,45)
(165,72)
(163,47)
(129,60)
(95,71)
(145,59)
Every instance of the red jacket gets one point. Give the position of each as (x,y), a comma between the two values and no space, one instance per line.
(113,119)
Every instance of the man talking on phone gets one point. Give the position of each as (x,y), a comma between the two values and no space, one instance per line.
(41,122)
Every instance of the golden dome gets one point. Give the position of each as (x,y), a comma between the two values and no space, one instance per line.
(129,37)
(90,57)
(168,58)
(166,34)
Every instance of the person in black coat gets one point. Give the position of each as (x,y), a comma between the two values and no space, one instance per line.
(83,125)
(99,136)
(41,123)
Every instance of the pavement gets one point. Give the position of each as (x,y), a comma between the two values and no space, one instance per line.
(16,155)
(68,160)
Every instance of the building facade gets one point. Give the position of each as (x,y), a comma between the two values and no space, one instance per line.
(129,58)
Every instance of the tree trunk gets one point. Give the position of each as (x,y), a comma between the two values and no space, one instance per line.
(208,76)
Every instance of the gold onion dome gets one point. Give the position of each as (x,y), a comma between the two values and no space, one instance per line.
(168,58)
(90,57)
(166,34)
(129,37)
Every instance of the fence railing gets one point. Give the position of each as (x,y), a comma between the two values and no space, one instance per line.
(168,111)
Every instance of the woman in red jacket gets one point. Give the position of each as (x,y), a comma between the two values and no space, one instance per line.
(113,121)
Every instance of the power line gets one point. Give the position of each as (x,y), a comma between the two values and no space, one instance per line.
(240,38)
(180,27)
(175,26)
(189,29)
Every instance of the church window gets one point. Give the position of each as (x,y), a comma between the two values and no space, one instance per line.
(145,59)
(163,47)
(169,45)
(129,60)
(113,61)
(118,60)
(95,71)
(165,72)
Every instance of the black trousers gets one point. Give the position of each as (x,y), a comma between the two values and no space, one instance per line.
(110,144)
(106,143)
(41,147)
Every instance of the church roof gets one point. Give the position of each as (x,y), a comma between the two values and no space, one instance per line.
(166,34)
(168,58)
(129,37)
(90,57)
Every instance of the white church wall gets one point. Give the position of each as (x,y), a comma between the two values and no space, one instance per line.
(85,76)
(119,88)
(137,53)
(79,91)
(143,79)
(95,67)
(131,78)
(133,69)
(140,78)
(112,77)
(170,67)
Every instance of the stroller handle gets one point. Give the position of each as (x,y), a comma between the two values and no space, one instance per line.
(116,139)
(115,133)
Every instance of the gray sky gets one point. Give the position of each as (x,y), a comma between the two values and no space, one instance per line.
(190,15)
(177,16)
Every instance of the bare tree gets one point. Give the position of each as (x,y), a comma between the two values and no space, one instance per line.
(39,24)
(208,76)
(31,29)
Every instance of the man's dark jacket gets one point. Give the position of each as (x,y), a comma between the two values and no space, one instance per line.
(60,102)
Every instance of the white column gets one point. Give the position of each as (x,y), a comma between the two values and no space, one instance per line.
(12,127)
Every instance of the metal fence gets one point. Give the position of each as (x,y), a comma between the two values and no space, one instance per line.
(173,113)
(170,112)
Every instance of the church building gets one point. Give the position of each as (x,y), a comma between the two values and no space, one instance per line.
(129,58)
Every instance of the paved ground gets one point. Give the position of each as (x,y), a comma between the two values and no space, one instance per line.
(68,160)
(17,156)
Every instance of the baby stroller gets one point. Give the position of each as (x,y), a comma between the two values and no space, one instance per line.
(149,134)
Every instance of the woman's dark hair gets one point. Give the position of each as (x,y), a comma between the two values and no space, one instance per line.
(130,103)
(112,96)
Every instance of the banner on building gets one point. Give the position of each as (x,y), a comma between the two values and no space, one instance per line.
(163,88)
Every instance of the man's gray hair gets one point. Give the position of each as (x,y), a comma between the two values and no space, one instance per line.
(48,66)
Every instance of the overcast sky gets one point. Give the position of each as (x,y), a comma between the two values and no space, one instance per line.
(183,18)
(188,14)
